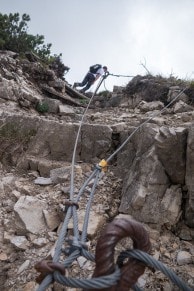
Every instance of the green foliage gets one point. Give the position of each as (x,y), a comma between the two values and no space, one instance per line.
(190,91)
(192,84)
(104,93)
(14,140)
(83,101)
(12,133)
(14,36)
(57,65)
(42,107)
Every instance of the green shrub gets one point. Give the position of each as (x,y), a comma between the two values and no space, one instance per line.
(83,101)
(13,133)
(14,36)
(192,84)
(42,107)
(104,93)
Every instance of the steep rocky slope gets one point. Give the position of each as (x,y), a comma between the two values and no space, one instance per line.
(150,178)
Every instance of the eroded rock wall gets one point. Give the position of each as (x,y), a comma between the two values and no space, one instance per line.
(157,165)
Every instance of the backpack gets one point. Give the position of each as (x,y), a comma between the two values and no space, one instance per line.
(93,69)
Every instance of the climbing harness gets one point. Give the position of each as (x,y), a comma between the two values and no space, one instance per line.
(107,275)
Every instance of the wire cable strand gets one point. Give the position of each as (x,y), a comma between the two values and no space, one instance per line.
(150,261)
(114,75)
(78,134)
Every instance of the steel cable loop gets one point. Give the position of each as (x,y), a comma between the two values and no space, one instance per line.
(87,255)
(49,278)
(45,283)
(87,213)
(93,283)
(111,235)
(151,262)
(62,235)
(71,258)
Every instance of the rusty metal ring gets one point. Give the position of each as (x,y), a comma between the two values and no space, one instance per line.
(112,234)
(46,267)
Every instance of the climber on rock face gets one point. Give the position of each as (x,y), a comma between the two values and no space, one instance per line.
(94,73)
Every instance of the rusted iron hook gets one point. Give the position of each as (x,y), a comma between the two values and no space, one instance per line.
(46,267)
(131,270)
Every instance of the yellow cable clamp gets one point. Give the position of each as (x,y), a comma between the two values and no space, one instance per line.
(103,164)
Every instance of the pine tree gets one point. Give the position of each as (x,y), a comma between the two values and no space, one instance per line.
(14,36)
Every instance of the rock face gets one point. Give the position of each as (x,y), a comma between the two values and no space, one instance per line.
(189,178)
(156,174)
(155,164)
(150,178)
(171,151)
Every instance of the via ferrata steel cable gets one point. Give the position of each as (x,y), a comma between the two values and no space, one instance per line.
(78,134)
